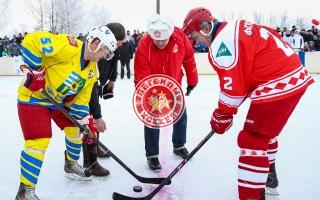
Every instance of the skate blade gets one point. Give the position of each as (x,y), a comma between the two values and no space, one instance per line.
(272,197)
(272,191)
(76,177)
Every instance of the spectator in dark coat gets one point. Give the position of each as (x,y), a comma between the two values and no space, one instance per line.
(126,52)
(1,48)
(15,49)
(316,39)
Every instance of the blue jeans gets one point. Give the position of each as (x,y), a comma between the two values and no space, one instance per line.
(151,136)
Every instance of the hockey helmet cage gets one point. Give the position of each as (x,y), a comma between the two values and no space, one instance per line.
(194,19)
(105,35)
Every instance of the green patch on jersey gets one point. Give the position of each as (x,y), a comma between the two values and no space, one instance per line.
(223,51)
(72,85)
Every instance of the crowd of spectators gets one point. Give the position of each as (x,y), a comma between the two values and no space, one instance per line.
(11,47)
(299,40)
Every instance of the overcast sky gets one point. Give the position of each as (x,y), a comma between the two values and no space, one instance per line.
(134,13)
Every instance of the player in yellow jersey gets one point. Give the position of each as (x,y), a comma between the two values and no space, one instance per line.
(66,69)
(103,88)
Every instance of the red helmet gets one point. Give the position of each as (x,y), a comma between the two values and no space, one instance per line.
(194,18)
(315,22)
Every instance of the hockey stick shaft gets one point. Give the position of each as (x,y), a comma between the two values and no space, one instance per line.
(85,129)
(117,196)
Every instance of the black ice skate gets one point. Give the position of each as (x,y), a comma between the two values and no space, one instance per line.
(26,192)
(272,181)
(154,163)
(75,171)
(182,152)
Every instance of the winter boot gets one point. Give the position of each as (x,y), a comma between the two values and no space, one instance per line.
(182,152)
(153,163)
(101,152)
(272,181)
(90,160)
(26,192)
(75,171)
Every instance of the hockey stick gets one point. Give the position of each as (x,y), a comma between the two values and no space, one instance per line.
(117,196)
(84,129)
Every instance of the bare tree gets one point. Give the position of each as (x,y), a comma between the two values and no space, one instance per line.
(94,17)
(258,17)
(58,16)
(3,8)
(284,19)
(300,22)
(71,16)
(232,15)
(272,20)
(223,16)
(38,12)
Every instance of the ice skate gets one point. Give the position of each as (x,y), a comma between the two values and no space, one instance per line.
(75,171)
(272,182)
(26,192)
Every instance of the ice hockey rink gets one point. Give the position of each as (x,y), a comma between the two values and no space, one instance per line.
(210,175)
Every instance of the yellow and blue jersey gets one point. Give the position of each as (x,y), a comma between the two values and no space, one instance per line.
(68,80)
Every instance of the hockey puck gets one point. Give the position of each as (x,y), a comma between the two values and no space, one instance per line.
(87,172)
(137,188)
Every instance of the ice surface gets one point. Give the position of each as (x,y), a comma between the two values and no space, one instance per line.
(210,175)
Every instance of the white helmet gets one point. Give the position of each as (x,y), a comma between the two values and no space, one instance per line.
(105,35)
(160,27)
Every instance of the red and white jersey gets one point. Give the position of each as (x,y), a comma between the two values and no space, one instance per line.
(252,61)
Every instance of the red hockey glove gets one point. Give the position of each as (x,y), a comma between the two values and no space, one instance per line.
(89,122)
(34,79)
(220,122)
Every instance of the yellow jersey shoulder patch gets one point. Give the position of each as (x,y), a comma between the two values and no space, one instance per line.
(72,41)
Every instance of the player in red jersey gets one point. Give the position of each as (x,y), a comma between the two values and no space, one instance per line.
(252,61)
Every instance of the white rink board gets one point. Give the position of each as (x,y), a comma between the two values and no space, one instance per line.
(11,66)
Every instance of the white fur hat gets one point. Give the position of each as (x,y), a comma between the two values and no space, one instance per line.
(160,27)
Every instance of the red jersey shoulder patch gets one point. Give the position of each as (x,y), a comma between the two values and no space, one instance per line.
(72,41)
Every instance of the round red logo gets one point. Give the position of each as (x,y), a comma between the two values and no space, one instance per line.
(158,101)
(157,34)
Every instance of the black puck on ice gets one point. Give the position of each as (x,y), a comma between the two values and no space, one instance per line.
(87,172)
(137,188)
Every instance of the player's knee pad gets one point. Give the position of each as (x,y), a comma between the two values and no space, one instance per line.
(40,144)
(73,133)
(250,140)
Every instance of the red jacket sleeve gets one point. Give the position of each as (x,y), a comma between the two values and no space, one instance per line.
(141,63)
(189,63)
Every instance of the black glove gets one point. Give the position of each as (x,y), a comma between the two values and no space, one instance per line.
(106,93)
(189,89)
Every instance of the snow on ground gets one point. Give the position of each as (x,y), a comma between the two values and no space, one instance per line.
(210,175)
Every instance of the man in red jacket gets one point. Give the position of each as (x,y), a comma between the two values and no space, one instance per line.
(164,51)
(252,61)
